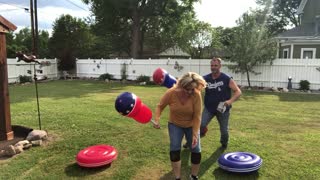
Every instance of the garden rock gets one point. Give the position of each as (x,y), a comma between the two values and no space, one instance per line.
(9,151)
(36,143)
(18,148)
(285,90)
(274,89)
(2,153)
(36,134)
(25,144)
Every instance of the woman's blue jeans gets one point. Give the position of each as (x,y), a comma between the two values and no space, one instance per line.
(176,134)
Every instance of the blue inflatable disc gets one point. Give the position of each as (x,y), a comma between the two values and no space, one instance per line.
(240,162)
(125,103)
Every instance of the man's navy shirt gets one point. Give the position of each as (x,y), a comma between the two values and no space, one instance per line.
(217,91)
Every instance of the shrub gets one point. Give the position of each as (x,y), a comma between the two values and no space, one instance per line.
(105,76)
(304,85)
(143,78)
(24,79)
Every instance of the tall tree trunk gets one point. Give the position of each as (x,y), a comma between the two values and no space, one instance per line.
(141,42)
(248,77)
(135,34)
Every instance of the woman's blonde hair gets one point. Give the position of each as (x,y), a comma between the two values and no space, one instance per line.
(192,79)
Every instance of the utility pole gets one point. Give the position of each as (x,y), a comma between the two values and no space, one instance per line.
(34,32)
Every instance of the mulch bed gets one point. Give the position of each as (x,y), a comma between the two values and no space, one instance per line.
(20,133)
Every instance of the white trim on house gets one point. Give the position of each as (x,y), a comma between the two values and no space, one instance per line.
(317,38)
(291,51)
(314,50)
(301,6)
(285,51)
(300,43)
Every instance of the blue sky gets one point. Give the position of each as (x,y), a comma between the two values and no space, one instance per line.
(216,12)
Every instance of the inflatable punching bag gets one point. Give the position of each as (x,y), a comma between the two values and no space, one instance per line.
(162,77)
(130,105)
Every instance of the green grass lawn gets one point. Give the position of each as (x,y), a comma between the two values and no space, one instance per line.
(282,128)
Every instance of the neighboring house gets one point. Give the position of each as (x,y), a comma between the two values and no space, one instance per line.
(302,42)
(173,53)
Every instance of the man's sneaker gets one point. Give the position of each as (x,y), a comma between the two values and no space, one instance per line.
(192,177)
(203,131)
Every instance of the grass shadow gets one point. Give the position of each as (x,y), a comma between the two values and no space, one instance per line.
(221,174)
(74,170)
(205,165)
(185,167)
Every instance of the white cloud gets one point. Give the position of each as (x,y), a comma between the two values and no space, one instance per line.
(46,16)
(222,12)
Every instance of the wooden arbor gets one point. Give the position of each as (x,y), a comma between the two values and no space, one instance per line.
(6,132)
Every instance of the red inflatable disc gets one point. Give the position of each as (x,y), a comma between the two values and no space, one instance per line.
(96,156)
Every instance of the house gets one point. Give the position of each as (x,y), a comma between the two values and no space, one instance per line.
(174,52)
(302,42)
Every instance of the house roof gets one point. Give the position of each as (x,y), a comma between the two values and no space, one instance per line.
(174,51)
(5,25)
(305,30)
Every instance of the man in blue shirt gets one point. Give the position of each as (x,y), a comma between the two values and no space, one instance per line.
(218,91)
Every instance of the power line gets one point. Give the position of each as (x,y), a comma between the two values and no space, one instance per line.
(76,5)
(14,5)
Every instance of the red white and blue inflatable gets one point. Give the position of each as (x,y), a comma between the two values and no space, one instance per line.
(130,105)
(162,77)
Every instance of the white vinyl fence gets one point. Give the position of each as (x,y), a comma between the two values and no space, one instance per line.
(270,75)
(15,69)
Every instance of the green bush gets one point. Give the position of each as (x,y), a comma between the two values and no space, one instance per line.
(304,85)
(105,76)
(143,78)
(24,79)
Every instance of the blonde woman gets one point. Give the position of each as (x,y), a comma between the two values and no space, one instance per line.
(185,104)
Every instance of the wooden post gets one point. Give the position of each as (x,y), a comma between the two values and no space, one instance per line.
(6,132)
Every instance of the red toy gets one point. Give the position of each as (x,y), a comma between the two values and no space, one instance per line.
(96,156)
(159,76)
(130,105)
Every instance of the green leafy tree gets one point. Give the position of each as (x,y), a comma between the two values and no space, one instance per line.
(71,39)
(11,46)
(281,14)
(22,41)
(43,41)
(251,44)
(127,24)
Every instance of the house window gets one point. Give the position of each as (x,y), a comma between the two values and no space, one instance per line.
(308,53)
(285,53)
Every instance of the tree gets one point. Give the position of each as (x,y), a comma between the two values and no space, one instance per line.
(251,44)
(71,39)
(281,14)
(126,23)
(43,41)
